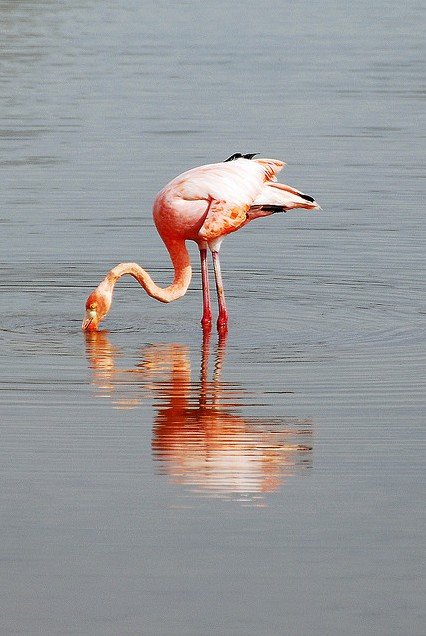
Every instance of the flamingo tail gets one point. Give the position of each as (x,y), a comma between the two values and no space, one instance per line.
(277,197)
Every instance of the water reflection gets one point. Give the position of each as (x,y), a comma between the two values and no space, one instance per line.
(202,439)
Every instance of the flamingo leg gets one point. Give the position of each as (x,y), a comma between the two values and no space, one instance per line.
(222,321)
(206,320)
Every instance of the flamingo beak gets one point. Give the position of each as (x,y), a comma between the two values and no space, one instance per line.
(90,320)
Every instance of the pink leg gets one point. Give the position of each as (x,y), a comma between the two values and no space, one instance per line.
(206,320)
(222,321)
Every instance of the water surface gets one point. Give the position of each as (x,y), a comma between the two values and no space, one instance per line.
(157,483)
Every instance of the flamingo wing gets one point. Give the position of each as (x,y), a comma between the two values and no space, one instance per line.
(232,188)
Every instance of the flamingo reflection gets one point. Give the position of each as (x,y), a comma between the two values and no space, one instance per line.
(201,437)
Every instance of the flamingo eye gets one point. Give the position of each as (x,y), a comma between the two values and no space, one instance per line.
(93,307)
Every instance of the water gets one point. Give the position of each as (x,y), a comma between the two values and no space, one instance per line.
(153,483)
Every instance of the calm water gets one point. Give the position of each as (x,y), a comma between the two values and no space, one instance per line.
(156,484)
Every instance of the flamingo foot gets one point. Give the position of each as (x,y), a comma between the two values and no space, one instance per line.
(206,323)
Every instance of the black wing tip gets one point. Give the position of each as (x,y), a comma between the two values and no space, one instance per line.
(307,197)
(238,155)
(269,207)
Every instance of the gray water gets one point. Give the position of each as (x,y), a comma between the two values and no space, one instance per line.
(156,484)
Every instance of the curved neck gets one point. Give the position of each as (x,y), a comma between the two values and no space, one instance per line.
(183,272)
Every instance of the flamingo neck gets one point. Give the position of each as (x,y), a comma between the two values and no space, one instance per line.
(182,268)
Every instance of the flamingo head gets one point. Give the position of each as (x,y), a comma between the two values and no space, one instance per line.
(97,306)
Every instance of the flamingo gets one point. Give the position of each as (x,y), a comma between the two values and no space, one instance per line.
(203,204)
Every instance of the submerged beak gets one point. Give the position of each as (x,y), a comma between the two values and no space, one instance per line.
(90,320)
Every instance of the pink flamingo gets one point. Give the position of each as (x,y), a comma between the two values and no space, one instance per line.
(203,205)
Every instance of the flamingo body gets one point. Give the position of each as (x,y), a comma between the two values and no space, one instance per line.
(208,202)
(203,204)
